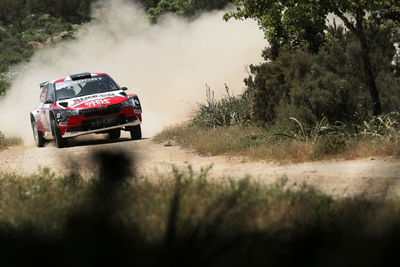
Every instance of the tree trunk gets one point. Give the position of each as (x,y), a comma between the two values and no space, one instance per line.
(358,30)
(369,74)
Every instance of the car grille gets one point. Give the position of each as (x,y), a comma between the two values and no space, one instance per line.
(75,129)
(103,122)
(97,112)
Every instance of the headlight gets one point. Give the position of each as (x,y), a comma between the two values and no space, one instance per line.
(128,103)
(70,113)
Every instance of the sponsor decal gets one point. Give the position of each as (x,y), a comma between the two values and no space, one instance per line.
(76,100)
(98,102)
(58,115)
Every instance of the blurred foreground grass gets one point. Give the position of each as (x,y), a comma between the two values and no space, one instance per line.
(183,218)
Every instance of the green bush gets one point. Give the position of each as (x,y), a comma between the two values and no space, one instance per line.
(4,85)
(229,111)
(327,84)
(184,8)
(329,144)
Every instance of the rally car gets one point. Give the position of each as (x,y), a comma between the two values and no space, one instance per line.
(84,103)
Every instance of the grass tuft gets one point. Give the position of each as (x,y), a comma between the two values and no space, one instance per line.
(9,141)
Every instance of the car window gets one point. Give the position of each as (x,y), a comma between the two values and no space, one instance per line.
(43,93)
(51,94)
(82,87)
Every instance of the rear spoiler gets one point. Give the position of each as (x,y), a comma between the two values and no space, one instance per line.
(42,84)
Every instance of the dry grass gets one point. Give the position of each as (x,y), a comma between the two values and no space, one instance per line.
(9,141)
(255,144)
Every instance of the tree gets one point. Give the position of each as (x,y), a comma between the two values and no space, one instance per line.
(284,22)
(185,8)
(304,21)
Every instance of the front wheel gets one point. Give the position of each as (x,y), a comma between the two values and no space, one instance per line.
(60,142)
(37,135)
(114,134)
(136,132)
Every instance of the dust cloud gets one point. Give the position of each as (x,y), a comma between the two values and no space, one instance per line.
(167,64)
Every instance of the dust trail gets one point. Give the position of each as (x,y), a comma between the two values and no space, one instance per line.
(167,64)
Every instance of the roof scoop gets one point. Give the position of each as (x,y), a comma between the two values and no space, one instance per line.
(79,76)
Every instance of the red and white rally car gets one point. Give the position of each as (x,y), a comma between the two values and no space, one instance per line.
(84,103)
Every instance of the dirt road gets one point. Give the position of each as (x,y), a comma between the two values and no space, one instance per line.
(375,178)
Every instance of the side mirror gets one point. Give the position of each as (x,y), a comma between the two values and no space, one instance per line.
(49,101)
(124,88)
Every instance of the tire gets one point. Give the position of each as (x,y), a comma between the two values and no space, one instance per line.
(114,134)
(136,132)
(60,142)
(37,135)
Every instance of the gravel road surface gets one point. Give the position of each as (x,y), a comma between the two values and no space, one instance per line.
(372,177)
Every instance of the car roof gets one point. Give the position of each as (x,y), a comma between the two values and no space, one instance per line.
(73,77)
(77,76)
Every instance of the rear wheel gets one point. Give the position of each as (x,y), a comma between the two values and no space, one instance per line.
(37,135)
(60,142)
(114,134)
(136,132)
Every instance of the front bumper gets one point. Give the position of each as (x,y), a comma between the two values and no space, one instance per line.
(105,129)
(87,124)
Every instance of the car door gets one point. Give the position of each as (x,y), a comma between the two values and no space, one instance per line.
(48,104)
(40,116)
(44,111)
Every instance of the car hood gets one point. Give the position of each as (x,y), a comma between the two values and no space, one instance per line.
(93,101)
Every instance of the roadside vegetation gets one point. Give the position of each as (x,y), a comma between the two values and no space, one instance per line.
(29,25)
(9,141)
(186,218)
(378,136)
(313,97)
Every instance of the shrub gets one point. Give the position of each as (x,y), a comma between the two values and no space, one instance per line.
(329,144)
(229,111)
(328,84)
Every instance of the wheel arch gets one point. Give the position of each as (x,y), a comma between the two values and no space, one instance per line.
(32,117)
(51,115)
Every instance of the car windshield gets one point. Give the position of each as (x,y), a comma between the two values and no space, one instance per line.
(82,87)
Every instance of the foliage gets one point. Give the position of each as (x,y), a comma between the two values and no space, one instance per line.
(299,23)
(76,11)
(328,84)
(285,22)
(4,84)
(185,8)
(229,111)
(303,24)
(26,25)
